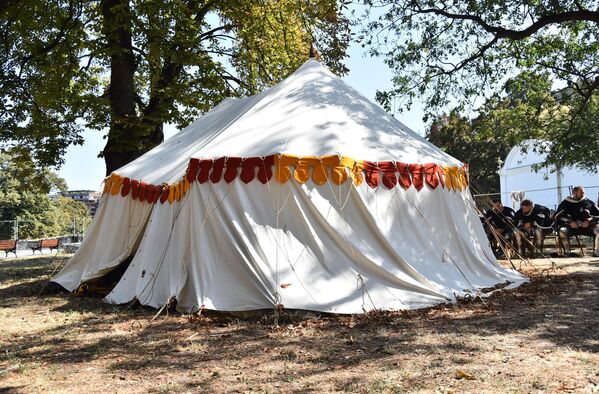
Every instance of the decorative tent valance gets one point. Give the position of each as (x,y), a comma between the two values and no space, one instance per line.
(337,169)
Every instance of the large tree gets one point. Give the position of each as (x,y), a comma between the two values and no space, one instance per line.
(451,53)
(132,65)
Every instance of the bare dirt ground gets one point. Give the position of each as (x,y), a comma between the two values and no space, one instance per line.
(541,337)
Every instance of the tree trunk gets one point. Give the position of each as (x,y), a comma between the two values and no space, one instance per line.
(116,154)
(129,137)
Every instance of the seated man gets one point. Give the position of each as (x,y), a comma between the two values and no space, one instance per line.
(577,215)
(532,220)
(500,220)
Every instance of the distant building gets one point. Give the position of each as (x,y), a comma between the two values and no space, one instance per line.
(548,187)
(90,198)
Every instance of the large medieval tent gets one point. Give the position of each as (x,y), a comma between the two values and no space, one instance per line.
(306,195)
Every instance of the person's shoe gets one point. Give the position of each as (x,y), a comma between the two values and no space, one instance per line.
(596,253)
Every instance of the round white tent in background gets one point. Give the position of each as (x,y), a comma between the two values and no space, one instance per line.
(305,196)
(519,179)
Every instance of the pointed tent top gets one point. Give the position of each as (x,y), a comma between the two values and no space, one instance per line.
(314,54)
(310,113)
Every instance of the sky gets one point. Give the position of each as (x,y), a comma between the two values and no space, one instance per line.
(83,170)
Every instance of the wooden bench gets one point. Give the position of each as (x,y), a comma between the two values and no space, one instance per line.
(9,246)
(51,243)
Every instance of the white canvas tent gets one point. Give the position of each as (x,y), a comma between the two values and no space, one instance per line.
(306,195)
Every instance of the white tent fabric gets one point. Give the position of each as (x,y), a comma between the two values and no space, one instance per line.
(332,248)
(312,112)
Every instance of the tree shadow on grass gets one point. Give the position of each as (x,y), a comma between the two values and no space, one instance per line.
(562,309)
(22,278)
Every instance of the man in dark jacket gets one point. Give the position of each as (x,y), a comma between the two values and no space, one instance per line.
(532,220)
(500,220)
(577,215)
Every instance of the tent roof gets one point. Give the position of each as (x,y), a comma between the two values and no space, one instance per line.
(312,112)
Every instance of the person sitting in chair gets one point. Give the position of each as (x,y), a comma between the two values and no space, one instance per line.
(577,215)
(532,220)
(500,220)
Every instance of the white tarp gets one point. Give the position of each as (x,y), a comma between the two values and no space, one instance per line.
(334,248)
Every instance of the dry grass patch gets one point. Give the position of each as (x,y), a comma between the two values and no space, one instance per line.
(541,337)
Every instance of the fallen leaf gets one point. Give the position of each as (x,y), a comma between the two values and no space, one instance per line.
(459,374)
(285,285)
(567,388)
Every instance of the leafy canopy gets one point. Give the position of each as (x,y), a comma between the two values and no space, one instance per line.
(485,140)
(133,65)
(460,53)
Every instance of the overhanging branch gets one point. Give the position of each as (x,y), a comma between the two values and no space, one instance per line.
(501,32)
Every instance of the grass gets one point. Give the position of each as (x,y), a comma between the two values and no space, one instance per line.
(541,337)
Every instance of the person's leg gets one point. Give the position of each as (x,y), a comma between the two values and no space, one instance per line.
(539,237)
(519,236)
(511,242)
(527,233)
(564,236)
(493,239)
(530,242)
(596,234)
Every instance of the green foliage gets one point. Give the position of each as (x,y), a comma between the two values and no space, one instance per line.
(459,54)
(133,65)
(24,196)
(467,141)
(527,107)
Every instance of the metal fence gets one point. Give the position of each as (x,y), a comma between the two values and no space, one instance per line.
(9,229)
(549,197)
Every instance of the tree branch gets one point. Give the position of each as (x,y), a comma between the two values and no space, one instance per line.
(477,55)
(90,59)
(209,33)
(63,31)
(500,32)
(230,77)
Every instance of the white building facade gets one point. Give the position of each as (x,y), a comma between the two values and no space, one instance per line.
(547,187)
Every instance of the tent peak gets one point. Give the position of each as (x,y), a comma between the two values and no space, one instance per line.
(314,54)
